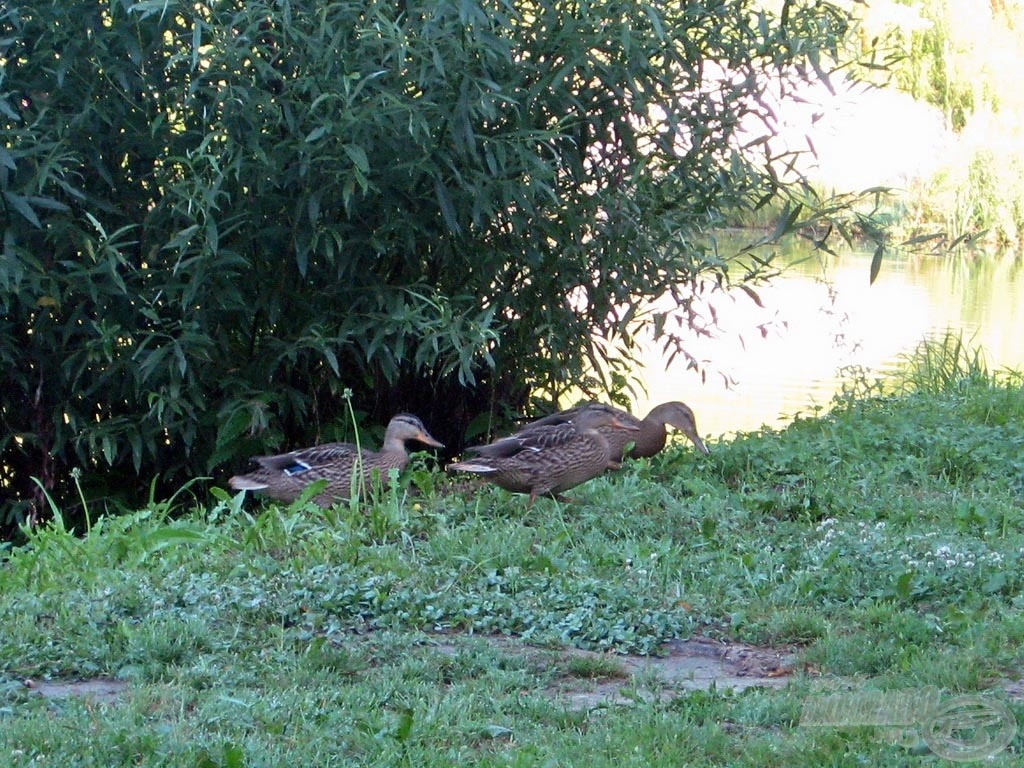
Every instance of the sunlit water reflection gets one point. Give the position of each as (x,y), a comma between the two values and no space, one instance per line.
(768,364)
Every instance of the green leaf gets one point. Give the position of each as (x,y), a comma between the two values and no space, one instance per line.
(403,730)
(5,157)
(904,585)
(5,109)
(444,200)
(995,583)
(20,204)
(232,428)
(316,133)
(109,449)
(234,756)
(48,203)
(332,360)
(923,239)
(162,538)
(358,157)
(786,221)
(876,263)
(494,731)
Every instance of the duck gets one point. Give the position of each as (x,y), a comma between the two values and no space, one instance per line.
(648,435)
(547,459)
(285,476)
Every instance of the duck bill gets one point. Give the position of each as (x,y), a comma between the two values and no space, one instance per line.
(426,439)
(698,442)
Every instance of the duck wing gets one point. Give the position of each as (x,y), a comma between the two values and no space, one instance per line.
(306,459)
(533,438)
(559,417)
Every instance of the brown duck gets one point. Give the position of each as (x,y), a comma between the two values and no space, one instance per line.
(647,435)
(547,459)
(287,475)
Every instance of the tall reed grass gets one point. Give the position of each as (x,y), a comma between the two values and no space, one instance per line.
(942,365)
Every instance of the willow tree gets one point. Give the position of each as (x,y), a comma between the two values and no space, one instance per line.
(233,226)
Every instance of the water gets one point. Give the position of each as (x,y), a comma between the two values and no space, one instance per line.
(769,364)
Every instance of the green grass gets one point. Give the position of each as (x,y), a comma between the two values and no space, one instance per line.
(883,544)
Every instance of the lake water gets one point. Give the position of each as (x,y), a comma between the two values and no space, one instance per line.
(768,364)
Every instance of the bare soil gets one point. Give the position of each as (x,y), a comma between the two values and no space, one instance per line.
(588,679)
(102,690)
(686,665)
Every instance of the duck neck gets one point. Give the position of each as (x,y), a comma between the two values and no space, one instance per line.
(650,438)
(393,444)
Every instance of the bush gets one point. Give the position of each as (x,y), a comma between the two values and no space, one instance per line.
(218,217)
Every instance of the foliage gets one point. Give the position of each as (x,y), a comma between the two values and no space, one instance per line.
(963,58)
(942,365)
(219,216)
(305,636)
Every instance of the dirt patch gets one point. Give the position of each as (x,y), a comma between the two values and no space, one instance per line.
(696,664)
(588,679)
(1014,689)
(592,679)
(585,679)
(102,690)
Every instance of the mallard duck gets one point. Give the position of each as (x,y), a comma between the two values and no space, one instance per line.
(649,434)
(286,476)
(547,459)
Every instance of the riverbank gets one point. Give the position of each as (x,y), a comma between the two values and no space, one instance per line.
(878,549)
(821,321)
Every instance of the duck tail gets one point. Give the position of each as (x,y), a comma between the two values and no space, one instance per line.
(246,483)
(471,466)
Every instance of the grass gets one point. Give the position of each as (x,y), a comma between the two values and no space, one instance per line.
(883,544)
